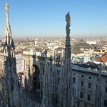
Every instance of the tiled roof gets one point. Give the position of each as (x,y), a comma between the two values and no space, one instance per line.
(102,59)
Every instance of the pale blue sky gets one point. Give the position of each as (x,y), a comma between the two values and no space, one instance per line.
(47,17)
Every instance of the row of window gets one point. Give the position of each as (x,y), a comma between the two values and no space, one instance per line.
(82,96)
(83,76)
(89,84)
(82,83)
(74,81)
(89,98)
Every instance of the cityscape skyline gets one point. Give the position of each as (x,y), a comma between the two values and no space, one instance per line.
(45,18)
(52,72)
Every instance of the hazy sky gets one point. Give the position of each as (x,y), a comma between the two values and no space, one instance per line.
(47,17)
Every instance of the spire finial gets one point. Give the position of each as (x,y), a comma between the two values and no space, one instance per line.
(7,1)
(7,7)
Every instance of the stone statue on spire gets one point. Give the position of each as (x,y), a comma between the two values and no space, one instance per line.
(7,7)
(68,23)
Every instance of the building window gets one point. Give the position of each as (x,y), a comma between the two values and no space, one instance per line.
(82,83)
(89,77)
(43,70)
(73,73)
(58,71)
(81,94)
(105,103)
(96,86)
(82,76)
(88,97)
(106,89)
(51,68)
(89,85)
(58,80)
(74,80)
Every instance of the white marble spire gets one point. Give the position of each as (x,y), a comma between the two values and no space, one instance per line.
(9,48)
(7,14)
(8,28)
(10,72)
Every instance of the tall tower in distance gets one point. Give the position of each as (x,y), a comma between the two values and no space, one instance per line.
(11,87)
